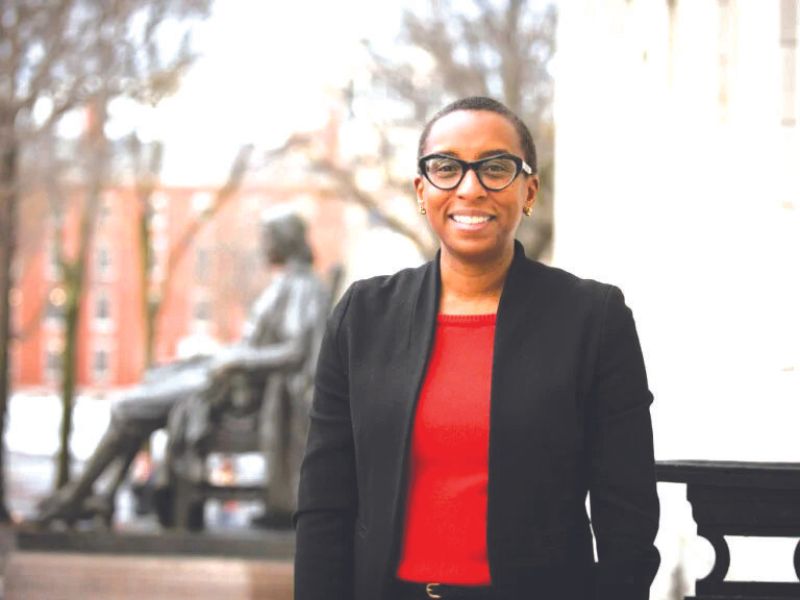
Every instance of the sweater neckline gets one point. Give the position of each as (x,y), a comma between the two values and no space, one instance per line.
(466,320)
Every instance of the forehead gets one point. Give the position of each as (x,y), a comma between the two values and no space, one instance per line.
(470,133)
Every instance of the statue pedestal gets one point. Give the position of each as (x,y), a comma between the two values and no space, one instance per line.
(273,545)
(73,565)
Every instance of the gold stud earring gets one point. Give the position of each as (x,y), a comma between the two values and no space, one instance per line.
(528,211)
(422,210)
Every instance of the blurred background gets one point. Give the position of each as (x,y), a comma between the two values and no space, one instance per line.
(141,141)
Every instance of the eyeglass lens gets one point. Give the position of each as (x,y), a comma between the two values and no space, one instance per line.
(494,173)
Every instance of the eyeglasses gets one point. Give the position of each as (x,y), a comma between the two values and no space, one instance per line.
(494,172)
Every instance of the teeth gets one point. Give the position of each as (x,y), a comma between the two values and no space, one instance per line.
(470,219)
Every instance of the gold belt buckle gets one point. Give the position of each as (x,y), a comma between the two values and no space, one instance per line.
(430,591)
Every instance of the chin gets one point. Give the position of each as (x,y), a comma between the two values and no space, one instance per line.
(477,250)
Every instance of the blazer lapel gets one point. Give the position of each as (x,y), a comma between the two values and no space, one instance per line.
(517,394)
(422,326)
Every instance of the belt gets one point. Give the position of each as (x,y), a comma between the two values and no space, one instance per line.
(436,591)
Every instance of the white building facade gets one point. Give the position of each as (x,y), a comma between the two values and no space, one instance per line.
(678,179)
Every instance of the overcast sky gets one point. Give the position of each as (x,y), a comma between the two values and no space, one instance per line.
(266,69)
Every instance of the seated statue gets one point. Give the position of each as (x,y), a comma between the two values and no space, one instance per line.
(279,343)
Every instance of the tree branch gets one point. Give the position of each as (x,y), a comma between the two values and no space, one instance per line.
(221,198)
(348,187)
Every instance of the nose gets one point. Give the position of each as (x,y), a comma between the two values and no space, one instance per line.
(470,185)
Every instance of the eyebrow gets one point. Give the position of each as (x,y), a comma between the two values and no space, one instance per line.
(486,153)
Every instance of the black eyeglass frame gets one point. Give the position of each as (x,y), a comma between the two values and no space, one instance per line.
(521,167)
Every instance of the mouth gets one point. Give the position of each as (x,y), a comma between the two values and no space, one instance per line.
(470,220)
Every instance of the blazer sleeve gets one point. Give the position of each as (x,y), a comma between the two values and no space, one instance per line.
(623,498)
(327,500)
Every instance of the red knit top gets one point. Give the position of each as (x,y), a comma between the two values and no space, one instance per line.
(444,538)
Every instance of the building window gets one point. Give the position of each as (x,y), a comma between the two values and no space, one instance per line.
(53,312)
(104,209)
(102,311)
(101,365)
(788,43)
(103,262)
(54,308)
(202,264)
(202,310)
(159,255)
(52,362)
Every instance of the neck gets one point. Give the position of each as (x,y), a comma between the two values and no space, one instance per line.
(472,287)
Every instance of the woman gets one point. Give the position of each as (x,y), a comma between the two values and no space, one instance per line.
(464,409)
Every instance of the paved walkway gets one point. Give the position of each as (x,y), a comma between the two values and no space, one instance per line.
(34,575)
(60,576)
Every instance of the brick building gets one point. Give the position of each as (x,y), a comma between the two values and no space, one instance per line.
(212,287)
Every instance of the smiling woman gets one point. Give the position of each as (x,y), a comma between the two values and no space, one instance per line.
(464,409)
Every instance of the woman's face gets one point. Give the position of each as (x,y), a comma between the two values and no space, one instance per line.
(473,223)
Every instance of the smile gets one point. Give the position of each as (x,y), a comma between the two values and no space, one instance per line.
(471,219)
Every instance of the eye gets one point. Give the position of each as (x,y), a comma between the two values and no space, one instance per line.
(498,167)
(443,167)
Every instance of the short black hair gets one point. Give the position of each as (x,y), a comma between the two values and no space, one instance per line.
(492,105)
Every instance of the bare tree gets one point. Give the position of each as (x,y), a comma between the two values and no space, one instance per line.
(73,271)
(147,162)
(32,37)
(156,291)
(55,57)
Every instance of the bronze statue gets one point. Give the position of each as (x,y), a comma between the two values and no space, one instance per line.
(273,363)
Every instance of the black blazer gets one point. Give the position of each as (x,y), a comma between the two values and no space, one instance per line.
(569,414)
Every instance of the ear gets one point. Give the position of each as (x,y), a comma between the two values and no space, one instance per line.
(419,187)
(531,191)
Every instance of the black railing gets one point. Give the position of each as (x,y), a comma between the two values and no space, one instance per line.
(740,499)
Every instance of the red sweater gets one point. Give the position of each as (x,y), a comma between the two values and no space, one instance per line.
(445,528)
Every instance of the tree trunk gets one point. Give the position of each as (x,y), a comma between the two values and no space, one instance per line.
(68,369)
(74,277)
(150,305)
(8,199)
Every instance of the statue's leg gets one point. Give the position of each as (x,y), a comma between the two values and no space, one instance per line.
(147,410)
(132,420)
(287,454)
(66,503)
(297,443)
(279,492)
(102,504)
(275,436)
(122,470)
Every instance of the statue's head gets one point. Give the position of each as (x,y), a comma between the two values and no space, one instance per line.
(284,238)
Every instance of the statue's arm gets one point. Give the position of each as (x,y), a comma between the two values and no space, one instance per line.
(300,321)
(285,355)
